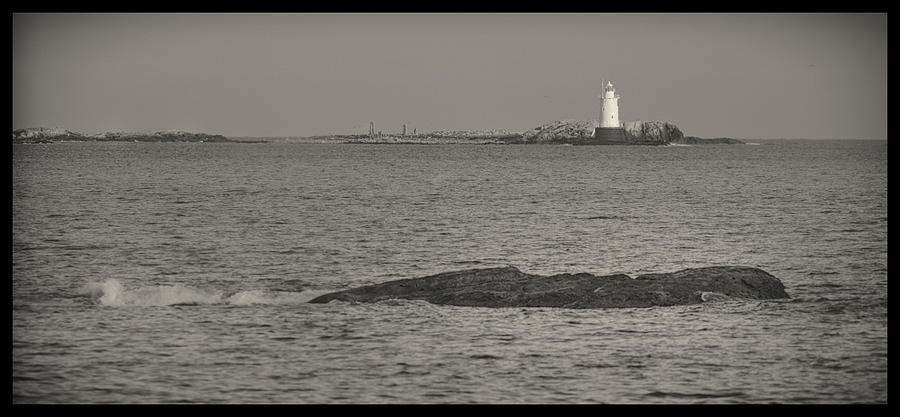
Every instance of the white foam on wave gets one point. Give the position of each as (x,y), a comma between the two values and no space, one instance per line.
(112,293)
(92,289)
(711,296)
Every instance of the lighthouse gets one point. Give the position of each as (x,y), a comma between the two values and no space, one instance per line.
(609,128)
(609,110)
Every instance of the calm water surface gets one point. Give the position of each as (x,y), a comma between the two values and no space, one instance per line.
(178,272)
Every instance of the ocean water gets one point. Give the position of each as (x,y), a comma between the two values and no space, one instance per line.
(179,272)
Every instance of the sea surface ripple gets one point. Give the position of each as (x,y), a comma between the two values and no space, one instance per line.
(179,272)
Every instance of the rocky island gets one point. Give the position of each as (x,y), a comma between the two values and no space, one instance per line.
(510,287)
(50,135)
(579,132)
(607,129)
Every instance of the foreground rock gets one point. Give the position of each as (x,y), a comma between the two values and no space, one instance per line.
(509,287)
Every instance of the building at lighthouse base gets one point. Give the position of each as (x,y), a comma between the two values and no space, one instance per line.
(607,135)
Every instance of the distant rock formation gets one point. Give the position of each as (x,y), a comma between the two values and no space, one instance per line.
(510,287)
(473,134)
(43,135)
(559,131)
(163,136)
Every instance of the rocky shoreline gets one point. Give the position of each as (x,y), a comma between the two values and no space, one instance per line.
(693,140)
(510,287)
(440,137)
(51,135)
(565,132)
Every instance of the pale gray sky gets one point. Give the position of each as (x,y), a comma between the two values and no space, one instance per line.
(735,75)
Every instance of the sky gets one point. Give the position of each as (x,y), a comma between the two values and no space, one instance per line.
(814,76)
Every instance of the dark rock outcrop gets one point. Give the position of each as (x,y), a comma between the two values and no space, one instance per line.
(654,131)
(509,287)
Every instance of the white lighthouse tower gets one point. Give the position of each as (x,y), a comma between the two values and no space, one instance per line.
(609,110)
(608,129)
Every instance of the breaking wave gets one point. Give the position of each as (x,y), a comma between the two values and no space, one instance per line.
(711,296)
(112,293)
